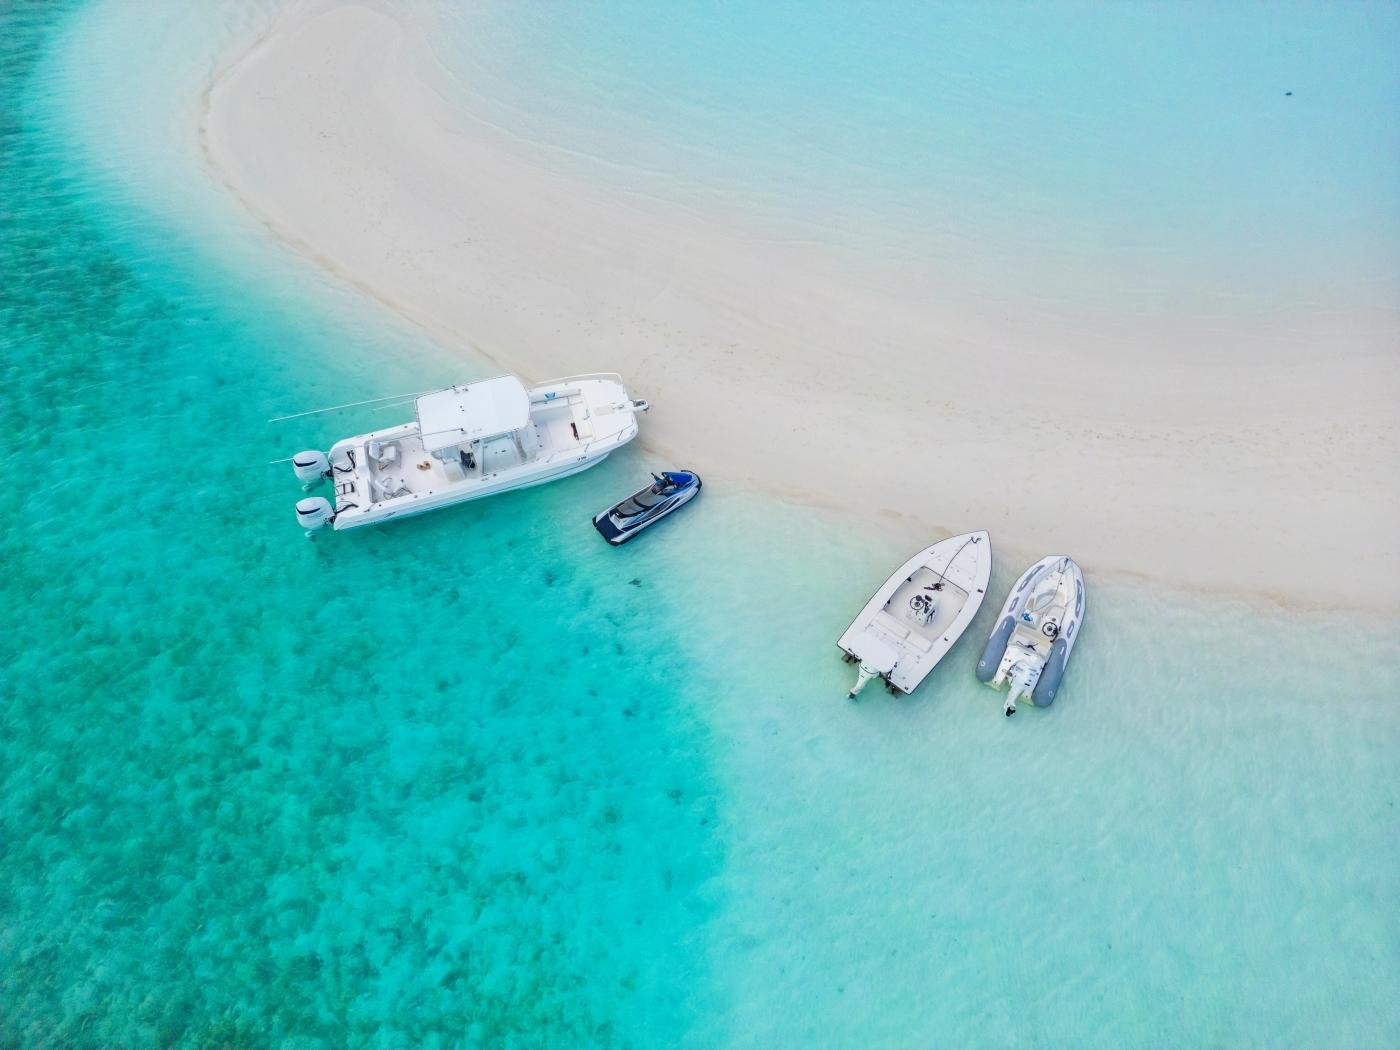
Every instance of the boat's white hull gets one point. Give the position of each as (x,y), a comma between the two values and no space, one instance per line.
(914,620)
(556,429)
(411,506)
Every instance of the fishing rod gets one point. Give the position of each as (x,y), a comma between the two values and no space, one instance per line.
(349,404)
(944,574)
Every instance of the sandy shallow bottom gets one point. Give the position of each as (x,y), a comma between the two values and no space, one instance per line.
(1207,452)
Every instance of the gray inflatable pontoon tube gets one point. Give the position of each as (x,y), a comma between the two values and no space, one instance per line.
(996,646)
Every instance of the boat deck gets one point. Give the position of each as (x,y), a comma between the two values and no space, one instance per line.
(559,424)
(407,468)
(571,423)
(412,470)
(891,636)
(897,618)
(1031,634)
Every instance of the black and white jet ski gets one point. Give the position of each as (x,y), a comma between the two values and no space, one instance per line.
(669,492)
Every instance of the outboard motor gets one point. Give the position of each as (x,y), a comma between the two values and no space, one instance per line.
(311,467)
(314,512)
(863,675)
(1021,678)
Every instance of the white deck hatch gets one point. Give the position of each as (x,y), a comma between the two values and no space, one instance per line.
(466,413)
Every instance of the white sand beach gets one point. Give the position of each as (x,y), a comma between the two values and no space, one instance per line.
(1211,456)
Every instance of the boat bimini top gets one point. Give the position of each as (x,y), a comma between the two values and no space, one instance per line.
(461,414)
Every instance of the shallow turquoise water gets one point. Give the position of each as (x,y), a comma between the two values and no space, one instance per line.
(262,791)
(479,780)
(1149,159)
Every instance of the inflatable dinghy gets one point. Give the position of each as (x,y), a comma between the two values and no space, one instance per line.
(1035,633)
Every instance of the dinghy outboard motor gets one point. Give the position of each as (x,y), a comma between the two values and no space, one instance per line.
(311,466)
(1021,677)
(314,512)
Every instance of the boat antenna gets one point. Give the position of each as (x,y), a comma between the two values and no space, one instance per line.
(348,404)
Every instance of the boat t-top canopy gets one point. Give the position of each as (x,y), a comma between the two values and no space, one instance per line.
(465,413)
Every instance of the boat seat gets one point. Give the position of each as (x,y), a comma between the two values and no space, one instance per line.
(388,487)
(383,455)
(891,626)
(918,641)
(1035,620)
(583,426)
(530,441)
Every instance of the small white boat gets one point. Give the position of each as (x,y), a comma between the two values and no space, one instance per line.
(467,442)
(1031,643)
(919,613)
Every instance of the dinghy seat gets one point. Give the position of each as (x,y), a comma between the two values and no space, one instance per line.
(1044,610)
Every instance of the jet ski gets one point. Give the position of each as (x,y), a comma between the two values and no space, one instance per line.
(668,492)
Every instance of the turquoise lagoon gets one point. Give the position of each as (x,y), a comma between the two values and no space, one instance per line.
(1072,162)
(478,780)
